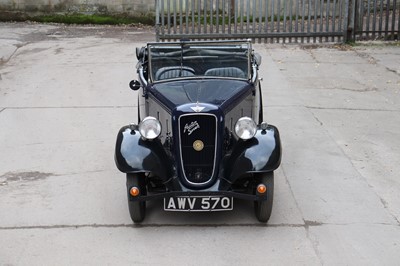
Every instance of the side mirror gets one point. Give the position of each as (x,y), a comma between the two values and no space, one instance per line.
(257,58)
(134,85)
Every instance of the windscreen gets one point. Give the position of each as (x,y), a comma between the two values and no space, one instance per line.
(206,60)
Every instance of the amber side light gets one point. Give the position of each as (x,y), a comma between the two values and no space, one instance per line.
(261,188)
(134,191)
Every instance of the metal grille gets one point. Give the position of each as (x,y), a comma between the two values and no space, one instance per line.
(378,19)
(198,165)
(278,20)
(268,20)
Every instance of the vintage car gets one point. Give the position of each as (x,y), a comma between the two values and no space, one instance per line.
(200,140)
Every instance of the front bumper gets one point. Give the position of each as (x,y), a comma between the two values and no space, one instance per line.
(236,195)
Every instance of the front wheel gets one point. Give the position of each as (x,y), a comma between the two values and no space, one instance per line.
(137,209)
(263,209)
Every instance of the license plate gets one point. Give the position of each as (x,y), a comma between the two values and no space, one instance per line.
(198,203)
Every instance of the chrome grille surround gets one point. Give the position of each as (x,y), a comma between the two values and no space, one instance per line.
(204,159)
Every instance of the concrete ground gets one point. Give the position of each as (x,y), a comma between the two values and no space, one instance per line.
(64,95)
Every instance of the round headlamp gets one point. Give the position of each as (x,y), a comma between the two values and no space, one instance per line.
(150,128)
(245,128)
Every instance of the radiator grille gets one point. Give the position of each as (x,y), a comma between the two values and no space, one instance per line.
(198,165)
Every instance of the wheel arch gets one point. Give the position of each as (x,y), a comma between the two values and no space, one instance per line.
(135,155)
(259,155)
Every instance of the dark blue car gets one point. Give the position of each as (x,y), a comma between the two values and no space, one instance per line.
(200,141)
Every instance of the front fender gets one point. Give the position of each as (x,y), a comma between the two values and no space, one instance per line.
(259,154)
(136,155)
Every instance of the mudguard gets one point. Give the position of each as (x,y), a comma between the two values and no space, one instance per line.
(259,154)
(136,155)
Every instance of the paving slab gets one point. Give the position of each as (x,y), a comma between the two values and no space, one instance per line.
(326,186)
(9,47)
(373,148)
(357,244)
(101,82)
(388,56)
(158,246)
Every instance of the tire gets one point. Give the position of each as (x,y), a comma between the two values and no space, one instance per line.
(263,209)
(137,209)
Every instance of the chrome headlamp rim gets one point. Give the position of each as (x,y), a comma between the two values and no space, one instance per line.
(150,128)
(245,128)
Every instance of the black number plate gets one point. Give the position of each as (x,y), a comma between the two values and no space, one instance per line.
(198,203)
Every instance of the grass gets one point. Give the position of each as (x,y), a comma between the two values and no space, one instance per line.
(94,19)
(86,19)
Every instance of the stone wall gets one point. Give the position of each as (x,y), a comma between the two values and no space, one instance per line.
(131,7)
